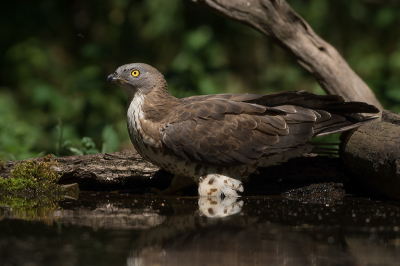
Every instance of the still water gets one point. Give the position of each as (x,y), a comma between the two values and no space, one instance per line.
(115,229)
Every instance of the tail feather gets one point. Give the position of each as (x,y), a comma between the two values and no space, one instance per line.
(351,107)
(341,116)
(347,125)
(333,114)
(330,103)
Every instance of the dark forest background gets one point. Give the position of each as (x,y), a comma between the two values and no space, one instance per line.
(55,57)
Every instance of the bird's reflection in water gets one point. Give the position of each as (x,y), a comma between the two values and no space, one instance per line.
(215,207)
(219,234)
(148,230)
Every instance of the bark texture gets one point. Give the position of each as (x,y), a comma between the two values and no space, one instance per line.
(372,153)
(104,171)
(277,20)
(128,171)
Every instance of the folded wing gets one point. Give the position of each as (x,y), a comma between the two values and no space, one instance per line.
(229,129)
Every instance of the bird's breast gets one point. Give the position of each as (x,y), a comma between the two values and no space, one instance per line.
(144,134)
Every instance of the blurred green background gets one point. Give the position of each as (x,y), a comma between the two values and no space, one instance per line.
(55,57)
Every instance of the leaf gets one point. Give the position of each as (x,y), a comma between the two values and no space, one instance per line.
(75,151)
(110,139)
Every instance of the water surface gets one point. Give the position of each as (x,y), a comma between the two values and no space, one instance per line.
(118,229)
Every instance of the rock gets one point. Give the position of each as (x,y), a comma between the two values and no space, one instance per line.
(325,193)
(372,154)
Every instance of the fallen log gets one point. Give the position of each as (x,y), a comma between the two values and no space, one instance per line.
(127,171)
(103,171)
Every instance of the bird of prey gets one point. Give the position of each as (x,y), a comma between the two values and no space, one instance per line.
(218,140)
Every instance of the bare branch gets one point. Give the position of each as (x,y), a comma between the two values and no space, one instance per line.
(277,20)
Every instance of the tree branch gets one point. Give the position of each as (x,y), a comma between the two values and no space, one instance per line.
(276,20)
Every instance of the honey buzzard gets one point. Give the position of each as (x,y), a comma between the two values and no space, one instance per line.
(217,140)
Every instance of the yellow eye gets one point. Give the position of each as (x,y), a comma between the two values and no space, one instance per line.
(135,73)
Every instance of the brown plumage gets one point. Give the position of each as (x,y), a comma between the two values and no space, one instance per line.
(219,136)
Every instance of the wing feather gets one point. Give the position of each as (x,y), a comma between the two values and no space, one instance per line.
(229,129)
(240,135)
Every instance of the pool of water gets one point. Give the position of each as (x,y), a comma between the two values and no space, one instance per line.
(118,229)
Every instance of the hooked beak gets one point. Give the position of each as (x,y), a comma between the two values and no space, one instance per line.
(112,78)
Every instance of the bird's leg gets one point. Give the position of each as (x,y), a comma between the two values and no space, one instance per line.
(178,183)
(214,185)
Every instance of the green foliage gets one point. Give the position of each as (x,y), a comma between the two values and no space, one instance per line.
(86,146)
(2,166)
(17,135)
(33,178)
(54,65)
(110,139)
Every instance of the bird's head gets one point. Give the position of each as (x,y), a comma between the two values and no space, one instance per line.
(137,77)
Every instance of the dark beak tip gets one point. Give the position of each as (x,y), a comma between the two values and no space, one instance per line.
(111,78)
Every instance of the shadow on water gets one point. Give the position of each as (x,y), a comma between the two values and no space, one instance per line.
(115,229)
